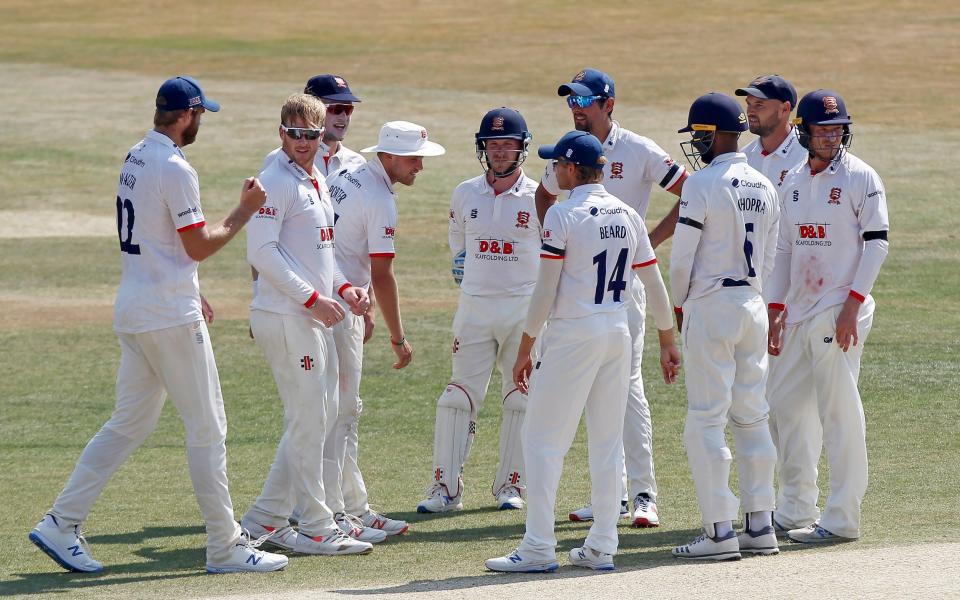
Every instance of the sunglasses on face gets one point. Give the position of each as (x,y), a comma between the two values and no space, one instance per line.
(340,109)
(582,101)
(295,133)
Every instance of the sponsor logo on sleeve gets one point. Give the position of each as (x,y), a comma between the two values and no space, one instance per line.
(389,232)
(267,212)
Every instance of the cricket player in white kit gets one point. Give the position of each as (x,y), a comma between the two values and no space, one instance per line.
(592,245)
(164,343)
(723,250)
(776,151)
(339,101)
(366,225)
(291,244)
(634,165)
(494,236)
(833,241)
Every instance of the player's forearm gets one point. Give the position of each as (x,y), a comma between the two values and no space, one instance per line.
(388,298)
(666,227)
(776,287)
(544,200)
(274,269)
(216,236)
(658,302)
(544,293)
(874,253)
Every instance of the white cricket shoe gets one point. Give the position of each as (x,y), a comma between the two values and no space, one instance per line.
(645,512)
(814,534)
(374,520)
(708,548)
(244,557)
(509,498)
(586,513)
(759,542)
(591,559)
(67,548)
(437,501)
(280,537)
(354,527)
(331,543)
(515,563)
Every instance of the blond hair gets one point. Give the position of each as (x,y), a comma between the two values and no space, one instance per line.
(309,108)
(588,174)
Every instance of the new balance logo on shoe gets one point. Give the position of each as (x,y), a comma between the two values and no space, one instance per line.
(253,559)
(75,550)
(514,558)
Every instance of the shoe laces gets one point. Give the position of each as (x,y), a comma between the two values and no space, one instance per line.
(354,523)
(700,538)
(642,502)
(247,539)
(509,490)
(434,489)
(81,540)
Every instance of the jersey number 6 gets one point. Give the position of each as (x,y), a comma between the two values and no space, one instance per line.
(126,245)
(617,281)
(748,249)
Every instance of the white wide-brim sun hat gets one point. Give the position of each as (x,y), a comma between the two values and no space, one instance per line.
(403,138)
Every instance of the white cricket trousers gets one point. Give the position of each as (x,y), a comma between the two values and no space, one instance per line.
(638,425)
(340,450)
(487,332)
(179,361)
(584,367)
(302,355)
(725,346)
(814,402)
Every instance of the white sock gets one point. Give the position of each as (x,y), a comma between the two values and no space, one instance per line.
(759,520)
(722,528)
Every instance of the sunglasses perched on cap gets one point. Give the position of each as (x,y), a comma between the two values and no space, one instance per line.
(295,133)
(340,109)
(583,101)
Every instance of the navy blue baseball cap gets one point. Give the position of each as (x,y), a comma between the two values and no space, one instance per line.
(822,107)
(588,82)
(770,87)
(330,87)
(715,112)
(183,92)
(578,147)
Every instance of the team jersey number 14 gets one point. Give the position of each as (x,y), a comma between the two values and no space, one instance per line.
(617,282)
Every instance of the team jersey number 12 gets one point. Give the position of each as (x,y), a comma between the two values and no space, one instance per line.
(126,245)
(617,282)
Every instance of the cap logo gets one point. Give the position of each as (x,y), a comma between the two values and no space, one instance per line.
(193,101)
(742,118)
(423,134)
(760,80)
(606,88)
(579,76)
(497,124)
(830,105)
(569,152)
(340,82)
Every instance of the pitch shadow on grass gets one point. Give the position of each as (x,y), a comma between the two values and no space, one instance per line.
(160,565)
(655,555)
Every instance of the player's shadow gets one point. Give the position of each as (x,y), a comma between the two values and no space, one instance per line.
(648,549)
(184,562)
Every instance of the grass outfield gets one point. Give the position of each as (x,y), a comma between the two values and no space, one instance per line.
(80,82)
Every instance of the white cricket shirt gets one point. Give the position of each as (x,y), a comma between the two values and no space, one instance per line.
(775,165)
(157,197)
(366,219)
(634,164)
(290,241)
(726,235)
(501,236)
(827,220)
(600,240)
